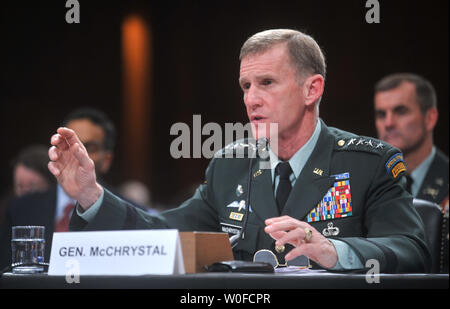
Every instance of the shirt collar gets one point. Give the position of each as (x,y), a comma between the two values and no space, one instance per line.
(298,160)
(418,175)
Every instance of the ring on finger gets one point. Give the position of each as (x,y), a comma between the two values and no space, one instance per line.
(308,234)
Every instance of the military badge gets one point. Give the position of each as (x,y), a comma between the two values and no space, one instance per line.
(239,205)
(395,165)
(379,145)
(239,190)
(234,204)
(236,216)
(318,171)
(337,202)
(330,230)
(430,191)
(439,181)
(362,142)
(258,172)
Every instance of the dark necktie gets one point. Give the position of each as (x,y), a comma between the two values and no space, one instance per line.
(284,186)
(409,182)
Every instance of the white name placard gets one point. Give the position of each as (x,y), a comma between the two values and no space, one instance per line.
(136,252)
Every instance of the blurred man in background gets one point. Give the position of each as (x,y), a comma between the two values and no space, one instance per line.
(52,208)
(30,172)
(405,116)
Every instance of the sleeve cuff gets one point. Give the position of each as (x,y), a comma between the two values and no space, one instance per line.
(347,258)
(89,214)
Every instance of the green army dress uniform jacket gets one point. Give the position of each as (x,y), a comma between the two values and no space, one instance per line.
(381,225)
(434,187)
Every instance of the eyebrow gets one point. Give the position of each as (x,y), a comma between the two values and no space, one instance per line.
(401,106)
(396,108)
(262,76)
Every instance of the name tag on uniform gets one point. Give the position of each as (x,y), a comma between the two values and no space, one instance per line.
(230,228)
(136,252)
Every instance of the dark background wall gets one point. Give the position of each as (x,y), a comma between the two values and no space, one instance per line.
(49,67)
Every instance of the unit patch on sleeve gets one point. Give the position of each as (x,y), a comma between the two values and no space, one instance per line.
(395,165)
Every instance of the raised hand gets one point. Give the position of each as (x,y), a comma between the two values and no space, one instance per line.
(72,167)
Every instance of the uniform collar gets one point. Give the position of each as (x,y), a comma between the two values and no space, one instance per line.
(315,183)
(298,160)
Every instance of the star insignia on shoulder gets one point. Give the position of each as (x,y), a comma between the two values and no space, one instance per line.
(365,143)
(360,142)
(351,141)
(369,143)
(379,145)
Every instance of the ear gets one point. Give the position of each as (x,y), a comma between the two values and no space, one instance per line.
(431,118)
(313,88)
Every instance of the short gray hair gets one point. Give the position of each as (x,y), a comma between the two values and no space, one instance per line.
(304,51)
(425,93)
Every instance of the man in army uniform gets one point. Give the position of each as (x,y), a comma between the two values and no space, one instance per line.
(405,116)
(330,195)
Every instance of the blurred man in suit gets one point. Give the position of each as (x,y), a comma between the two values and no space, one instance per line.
(405,116)
(53,207)
(30,172)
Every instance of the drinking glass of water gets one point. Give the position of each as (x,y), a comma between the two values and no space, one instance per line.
(27,244)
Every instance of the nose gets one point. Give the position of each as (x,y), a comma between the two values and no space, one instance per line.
(252,98)
(389,120)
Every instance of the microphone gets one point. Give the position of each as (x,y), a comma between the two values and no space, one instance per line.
(261,146)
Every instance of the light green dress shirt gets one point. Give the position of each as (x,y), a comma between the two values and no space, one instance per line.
(418,175)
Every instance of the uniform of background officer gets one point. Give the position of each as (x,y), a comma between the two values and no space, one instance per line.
(282,77)
(405,116)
